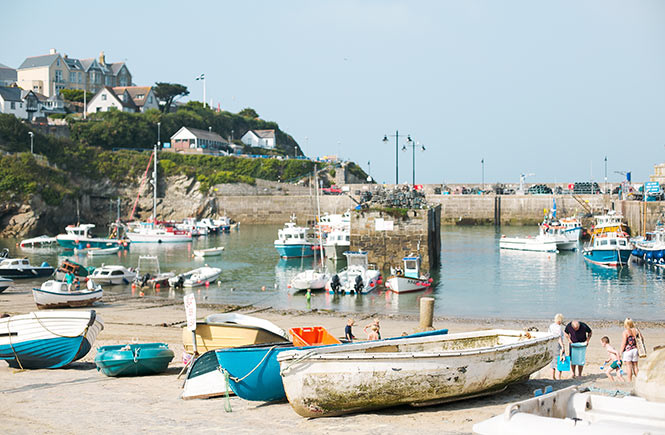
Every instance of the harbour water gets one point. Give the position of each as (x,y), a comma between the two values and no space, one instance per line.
(476,279)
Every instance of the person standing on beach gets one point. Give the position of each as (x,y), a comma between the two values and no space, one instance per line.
(628,350)
(556,328)
(378,328)
(577,332)
(348,332)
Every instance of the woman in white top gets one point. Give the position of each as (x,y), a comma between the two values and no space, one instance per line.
(556,328)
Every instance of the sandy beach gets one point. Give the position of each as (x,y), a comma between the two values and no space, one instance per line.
(78,399)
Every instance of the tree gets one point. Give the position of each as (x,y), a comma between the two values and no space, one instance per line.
(168,92)
(75,95)
(248,112)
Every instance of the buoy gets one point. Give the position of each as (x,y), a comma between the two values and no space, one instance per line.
(288,286)
(87,245)
(158,285)
(207,284)
(430,280)
(380,281)
(141,294)
(133,286)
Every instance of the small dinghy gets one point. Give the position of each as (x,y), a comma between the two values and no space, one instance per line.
(138,359)
(309,279)
(149,274)
(38,242)
(5,283)
(205,379)
(197,277)
(96,252)
(113,275)
(540,243)
(48,339)
(210,252)
(55,294)
(574,410)
(336,380)
(21,268)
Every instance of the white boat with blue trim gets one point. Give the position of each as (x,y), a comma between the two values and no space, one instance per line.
(408,279)
(293,242)
(55,294)
(358,277)
(79,237)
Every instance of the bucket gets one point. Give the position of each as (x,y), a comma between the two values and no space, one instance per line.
(563,366)
(577,354)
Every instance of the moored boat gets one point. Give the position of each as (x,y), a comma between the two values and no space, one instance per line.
(337,242)
(149,274)
(95,252)
(48,339)
(79,237)
(148,232)
(309,279)
(409,279)
(21,268)
(358,277)
(336,380)
(38,242)
(210,252)
(650,249)
(610,249)
(196,277)
(205,378)
(292,242)
(539,243)
(54,294)
(5,283)
(113,275)
(609,222)
(135,359)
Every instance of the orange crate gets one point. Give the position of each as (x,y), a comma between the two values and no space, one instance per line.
(312,336)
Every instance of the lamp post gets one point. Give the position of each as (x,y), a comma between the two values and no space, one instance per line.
(32,136)
(203,77)
(606,175)
(413,144)
(159,142)
(385,140)
(482,164)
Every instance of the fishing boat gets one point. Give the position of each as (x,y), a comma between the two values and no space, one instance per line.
(192,226)
(609,222)
(79,237)
(650,249)
(358,277)
(336,380)
(113,275)
(135,359)
(210,252)
(96,252)
(311,279)
(20,268)
(563,242)
(223,330)
(5,283)
(408,279)
(540,243)
(197,277)
(254,371)
(55,294)
(77,269)
(610,249)
(148,232)
(48,339)
(149,274)
(224,224)
(575,410)
(337,242)
(38,242)
(292,242)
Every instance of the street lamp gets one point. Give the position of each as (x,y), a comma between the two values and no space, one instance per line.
(369,171)
(385,140)
(203,78)
(32,136)
(413,144)
(159,142)
(482,164)
(605,174)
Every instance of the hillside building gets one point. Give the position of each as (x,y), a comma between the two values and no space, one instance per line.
(194,141)
(260,139)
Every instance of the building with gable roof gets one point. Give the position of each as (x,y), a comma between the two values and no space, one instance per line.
(7,75)
(49,74)
(20,103)
(108,99)
(194,141)
(143,96)
(260,139)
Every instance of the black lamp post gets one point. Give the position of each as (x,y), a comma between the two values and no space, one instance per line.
(413,144)
(385,140)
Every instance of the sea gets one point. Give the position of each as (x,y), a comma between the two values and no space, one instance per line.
(476,279)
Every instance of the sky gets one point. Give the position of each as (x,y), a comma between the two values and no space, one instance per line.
(547,88)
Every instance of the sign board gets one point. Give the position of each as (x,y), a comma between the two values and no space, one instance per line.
(190,311)
(383,225)
(652,187)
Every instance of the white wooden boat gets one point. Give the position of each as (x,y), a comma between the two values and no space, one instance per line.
(113,275)
(48,339)
(197,277)
(5,283)
(419,371)
(539,243)
(358,277)
(337,242)
(94,252)
(309,279)
(210,252)
(54,294)
(38,242)
(143,232)
(573,410)
(409,279)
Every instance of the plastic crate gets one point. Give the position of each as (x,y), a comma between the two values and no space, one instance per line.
(312,336)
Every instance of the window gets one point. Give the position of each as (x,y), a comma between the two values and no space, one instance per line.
(109,80)
(80,77)
(58,76)
(140,96)
(13,105)
(57,62)
(103,97)
(72,77)
(150,99)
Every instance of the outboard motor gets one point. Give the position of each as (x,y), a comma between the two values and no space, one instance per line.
(335,284)
(144,279)
(358,284)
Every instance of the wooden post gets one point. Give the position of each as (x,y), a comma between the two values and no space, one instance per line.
(426,313)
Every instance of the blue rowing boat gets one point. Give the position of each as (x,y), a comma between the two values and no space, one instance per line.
(253,371)
(139,359)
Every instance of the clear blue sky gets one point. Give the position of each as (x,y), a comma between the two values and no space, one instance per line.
(530,86)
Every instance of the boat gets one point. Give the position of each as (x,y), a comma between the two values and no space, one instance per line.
(336,380)
(196,277)
(540,243)
(54,294)
(79,237)
(147,232)
(135,359)
(408,279)
(21,268)
(113,275)
(77,269)
(358,277)
(192,226)
(48,339)
(210,252)
(95,252)
(330,222)
(224,330)
(208,224)
(650,249)
(149,274)
(5,283)
(563,242)
(38,242)
(609,222)
(337,242)
(224,224)
(309,279)
(205,379)
(292,242)
(610,249)
(254,371)
(575,410)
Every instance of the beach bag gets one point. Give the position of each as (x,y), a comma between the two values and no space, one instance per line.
(641,347)
(563,366)
(578,354)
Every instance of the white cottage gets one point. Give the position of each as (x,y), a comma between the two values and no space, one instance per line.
(194,141)
(107,99)
(11,102)
(260,139)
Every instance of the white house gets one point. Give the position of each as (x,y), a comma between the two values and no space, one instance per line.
(7,75)
(11,102)
(260,138)
(194,141)
(143,96)
(107,99)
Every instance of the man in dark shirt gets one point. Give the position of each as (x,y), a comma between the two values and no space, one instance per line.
(348,333)
(578,332)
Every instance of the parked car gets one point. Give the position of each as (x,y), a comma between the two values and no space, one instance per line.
(332,190)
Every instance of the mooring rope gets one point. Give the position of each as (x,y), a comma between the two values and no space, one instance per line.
(85,330)
(238,380)
(11,345)
(301,357)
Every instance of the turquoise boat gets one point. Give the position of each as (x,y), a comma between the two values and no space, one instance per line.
(254,371)
(140,359)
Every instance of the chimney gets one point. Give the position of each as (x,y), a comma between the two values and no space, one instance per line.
(52,51)
(102,58)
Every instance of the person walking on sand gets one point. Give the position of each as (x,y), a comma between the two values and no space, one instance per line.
(613,358)
(556,328)
(577,332)
(628,348)
(375,322)
(348,332)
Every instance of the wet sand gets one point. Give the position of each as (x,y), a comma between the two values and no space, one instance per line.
(78,399)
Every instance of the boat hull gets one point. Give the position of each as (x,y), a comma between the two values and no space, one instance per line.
(205,379)
(335,251)
(334,383)
(608,258)
(133,359)
(212,337)
(70,242)
(50,339)
(525,244)
(76,299)
(403,284)
(5,283)
(294,251)
(31,272)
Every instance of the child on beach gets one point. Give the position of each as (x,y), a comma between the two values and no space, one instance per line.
(613,358)
(375,323)
(374,333)
(348,332)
